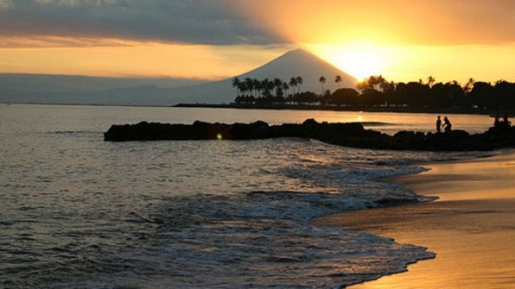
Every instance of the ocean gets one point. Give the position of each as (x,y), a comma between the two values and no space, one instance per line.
(78,212)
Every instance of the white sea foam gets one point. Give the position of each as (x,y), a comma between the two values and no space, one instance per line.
(79,212)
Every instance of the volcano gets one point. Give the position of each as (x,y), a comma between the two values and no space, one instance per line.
(291,64)
(305,64)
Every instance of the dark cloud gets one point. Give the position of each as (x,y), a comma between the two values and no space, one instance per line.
(225,22)
(177,21)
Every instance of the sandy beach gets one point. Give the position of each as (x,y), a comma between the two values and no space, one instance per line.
(471,228)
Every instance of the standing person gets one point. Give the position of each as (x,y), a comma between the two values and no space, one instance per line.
(447,124)
(497,122)
(438,124)
(505,120)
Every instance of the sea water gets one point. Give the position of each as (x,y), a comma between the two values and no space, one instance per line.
(78,212)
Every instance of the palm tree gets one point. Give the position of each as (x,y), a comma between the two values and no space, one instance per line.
(281,88)
(362,85)
(300,81)
(372,81)
(248,84)
(256,85)
(293,83)
(322,81)
(387,86)
(338,79)
(430,81)
(286,86)
(267,87)
(243,87)
(236,83)
(470,85)
(278,85)
(381,81)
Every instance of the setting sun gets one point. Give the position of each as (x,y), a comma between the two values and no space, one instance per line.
(360,59)
(411,63)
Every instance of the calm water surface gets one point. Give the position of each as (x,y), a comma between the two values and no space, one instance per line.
(77,212)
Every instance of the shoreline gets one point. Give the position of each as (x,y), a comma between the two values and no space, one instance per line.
(470,227)
(389,109)
(421,110)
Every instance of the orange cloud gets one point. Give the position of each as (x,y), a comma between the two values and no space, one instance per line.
(417,22)
(137,59)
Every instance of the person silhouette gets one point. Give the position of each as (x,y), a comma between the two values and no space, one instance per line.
(497,122)
(447,124)
(438,124)
(505,120)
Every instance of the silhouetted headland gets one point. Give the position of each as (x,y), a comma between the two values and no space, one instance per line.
(344,134)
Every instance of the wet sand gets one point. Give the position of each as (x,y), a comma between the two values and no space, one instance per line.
(471,228)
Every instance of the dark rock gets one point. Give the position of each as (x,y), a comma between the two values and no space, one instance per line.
(404,134)
(344,134)
(310,121)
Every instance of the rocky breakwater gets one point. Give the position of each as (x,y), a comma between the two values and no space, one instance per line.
(344,134)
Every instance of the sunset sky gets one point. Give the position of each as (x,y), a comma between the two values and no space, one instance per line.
(212,39)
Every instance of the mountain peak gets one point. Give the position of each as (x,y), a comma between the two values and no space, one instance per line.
(293,63)
(299,51)
(303,52)
(301,62)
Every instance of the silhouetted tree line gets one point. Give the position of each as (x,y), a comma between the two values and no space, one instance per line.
(267,91)
(376,91)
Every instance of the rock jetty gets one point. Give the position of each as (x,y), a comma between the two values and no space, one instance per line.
(344,134)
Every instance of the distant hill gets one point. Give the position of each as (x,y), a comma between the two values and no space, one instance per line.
(291,64)
(76,89)
(78,83)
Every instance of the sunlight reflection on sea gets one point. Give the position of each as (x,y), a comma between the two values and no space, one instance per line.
(80,212)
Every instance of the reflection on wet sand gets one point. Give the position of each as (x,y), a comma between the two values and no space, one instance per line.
(471,228)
